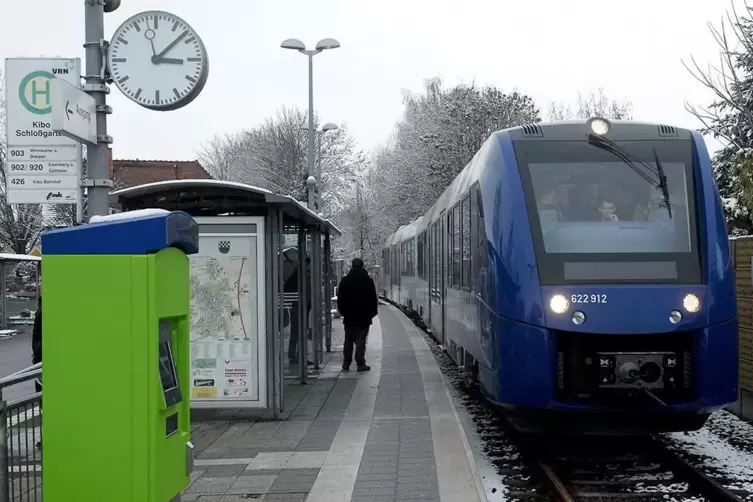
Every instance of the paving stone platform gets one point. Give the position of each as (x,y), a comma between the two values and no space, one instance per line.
(390,434)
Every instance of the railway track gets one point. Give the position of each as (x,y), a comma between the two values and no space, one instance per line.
(583,468)
(620,469)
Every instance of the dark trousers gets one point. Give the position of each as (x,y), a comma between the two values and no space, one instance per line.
(37,358)
(355,335)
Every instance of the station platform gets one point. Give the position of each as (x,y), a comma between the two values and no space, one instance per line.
(389,434)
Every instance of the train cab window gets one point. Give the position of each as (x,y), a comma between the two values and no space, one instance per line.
(466,210)
(598,218)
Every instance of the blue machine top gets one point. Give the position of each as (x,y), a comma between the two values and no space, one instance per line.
(135,233)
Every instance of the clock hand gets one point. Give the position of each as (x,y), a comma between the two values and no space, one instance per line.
(172,44)
(168,60)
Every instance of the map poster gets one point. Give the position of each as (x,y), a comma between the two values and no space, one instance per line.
(224,319)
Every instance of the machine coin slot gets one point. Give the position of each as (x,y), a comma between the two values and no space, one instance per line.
(167,372)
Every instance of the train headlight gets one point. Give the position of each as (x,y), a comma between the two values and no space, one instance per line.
(691,303)
(598,125)
(559,304)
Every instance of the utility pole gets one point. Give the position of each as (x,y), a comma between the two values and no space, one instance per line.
(98,183)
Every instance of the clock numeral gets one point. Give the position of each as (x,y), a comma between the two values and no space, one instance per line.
(138,93)
(190,78)
(156,97)
(123,80)
(119,60)
(122,40)
(189,40)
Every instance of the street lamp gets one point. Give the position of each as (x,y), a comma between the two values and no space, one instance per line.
(322,45)
(329,126)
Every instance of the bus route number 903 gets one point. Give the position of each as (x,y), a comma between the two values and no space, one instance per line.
(589,298)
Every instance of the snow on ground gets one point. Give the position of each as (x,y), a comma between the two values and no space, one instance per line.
(723,449)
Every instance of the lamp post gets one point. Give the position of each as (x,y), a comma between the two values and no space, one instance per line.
(322,45)
(329,126)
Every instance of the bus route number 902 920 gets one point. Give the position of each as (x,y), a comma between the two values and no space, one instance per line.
(589,298)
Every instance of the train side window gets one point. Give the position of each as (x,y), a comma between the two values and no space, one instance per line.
(473,242)
(457,237)
(467,277)
(481,248)
(448,250)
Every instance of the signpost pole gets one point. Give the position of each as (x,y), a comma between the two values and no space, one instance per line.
(98,181)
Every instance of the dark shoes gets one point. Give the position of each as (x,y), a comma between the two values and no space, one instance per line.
(363,367)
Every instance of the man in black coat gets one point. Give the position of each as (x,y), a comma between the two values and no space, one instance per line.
(357,302)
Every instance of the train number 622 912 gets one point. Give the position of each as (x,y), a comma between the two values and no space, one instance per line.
(589,298)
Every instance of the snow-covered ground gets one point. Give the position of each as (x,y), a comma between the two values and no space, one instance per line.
(723,449)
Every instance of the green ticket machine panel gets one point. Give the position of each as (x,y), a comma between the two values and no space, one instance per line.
(116,424)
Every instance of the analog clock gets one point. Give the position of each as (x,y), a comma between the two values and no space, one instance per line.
(158,61)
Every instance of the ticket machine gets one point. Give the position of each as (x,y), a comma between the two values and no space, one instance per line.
(116,424)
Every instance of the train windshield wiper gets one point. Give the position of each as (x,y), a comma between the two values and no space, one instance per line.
(663,183)
(657,175)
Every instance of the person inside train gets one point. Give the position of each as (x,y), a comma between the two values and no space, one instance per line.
(358,304)
(583,205)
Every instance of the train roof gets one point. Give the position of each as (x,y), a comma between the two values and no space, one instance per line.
(565,130)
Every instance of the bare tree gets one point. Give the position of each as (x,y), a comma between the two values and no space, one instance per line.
(219,156)
(273,156)
(594,104)
(20,224)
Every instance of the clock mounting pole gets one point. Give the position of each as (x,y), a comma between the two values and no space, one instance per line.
(98,181)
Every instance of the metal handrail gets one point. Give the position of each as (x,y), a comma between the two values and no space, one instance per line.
(21,376)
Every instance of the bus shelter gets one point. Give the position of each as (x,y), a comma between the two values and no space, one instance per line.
(261,259)
(14,314)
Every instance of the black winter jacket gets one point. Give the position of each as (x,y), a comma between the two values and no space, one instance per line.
(357,298)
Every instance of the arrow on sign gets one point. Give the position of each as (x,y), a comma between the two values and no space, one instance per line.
(67,110)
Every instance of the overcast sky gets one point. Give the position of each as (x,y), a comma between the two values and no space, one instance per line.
(549,49)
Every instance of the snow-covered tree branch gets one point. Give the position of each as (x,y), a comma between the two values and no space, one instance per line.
(594,104)
(730,116)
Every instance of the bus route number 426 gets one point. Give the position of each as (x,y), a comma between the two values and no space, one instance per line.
(586,298)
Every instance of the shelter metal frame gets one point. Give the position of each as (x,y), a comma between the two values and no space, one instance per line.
(223,198)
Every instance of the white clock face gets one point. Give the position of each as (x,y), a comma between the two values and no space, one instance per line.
(158,60)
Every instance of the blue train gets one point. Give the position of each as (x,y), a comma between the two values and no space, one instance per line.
(580,274)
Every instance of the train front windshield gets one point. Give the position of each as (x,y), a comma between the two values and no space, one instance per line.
(598,218)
